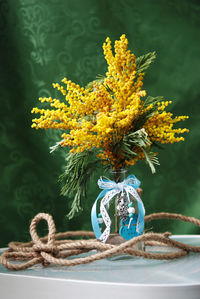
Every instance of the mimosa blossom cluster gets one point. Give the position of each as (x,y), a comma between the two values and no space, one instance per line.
(100,116)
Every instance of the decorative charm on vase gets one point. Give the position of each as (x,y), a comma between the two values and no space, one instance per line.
(110,124)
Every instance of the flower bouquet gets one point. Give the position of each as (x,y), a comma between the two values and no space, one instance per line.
(110,123)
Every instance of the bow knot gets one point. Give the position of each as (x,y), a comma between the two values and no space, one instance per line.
(105,183)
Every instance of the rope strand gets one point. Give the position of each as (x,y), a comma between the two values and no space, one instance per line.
(51,250)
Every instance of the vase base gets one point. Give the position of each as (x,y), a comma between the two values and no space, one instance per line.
(116,239)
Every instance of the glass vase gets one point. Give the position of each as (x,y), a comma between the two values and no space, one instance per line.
(120,209)
(118,176)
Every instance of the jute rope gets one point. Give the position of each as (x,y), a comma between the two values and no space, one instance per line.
(56,248)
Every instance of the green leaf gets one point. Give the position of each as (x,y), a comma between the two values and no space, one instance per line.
(139,139)
(142,118)
(108,89)
(127,151)
(151,159)
(143,62)
(152,100)
(99,79)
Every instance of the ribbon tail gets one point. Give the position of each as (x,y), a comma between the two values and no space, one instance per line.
(141,210)
(106,218)
(94,218)
(140,221)
(133,181)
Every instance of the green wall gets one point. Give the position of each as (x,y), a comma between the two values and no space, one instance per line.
(43,41)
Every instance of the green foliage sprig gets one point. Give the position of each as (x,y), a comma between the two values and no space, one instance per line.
(78,171)
(143,62)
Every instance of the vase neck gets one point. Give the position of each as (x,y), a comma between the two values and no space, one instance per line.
(118,175)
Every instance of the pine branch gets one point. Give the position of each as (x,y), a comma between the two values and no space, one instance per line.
(76,205)
(78,171)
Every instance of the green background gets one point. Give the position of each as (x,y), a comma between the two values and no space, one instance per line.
(43,41)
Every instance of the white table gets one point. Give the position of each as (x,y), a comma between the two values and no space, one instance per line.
(124,278)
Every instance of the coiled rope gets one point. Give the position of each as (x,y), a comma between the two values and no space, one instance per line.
(56,248)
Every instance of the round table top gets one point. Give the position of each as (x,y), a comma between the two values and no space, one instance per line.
(150,277)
